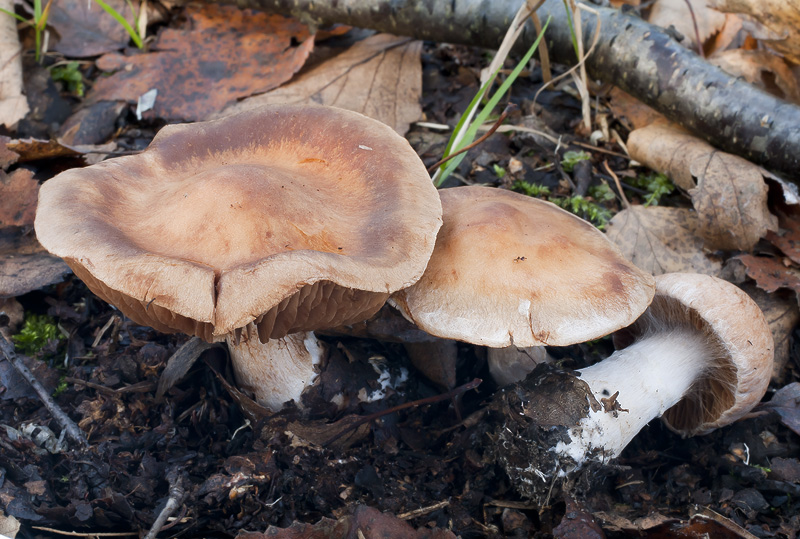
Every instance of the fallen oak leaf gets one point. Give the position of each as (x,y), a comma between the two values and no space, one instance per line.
(775,22)
(380,77)
(728,192)
(220,55)
(770,274)
(661,240)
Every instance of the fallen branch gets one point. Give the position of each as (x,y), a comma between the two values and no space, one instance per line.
(644,60)
(72,430)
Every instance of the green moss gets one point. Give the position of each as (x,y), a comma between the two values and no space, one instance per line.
(36,332)
(572,158)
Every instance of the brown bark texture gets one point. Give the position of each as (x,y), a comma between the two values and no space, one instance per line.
(644,60)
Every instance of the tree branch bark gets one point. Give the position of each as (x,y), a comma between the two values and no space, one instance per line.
(642,59)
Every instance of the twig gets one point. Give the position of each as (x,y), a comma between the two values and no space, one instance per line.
(428,400)
(176,496)
(85,534)
(489,133)
(72,430)
(700,50)
(423,510)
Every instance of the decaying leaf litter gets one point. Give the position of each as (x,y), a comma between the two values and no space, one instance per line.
(208,452)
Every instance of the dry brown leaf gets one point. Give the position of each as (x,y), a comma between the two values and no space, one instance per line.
(661,240)
(85,29)
(776,22)
(770,273)
(221,54)
(639,115)
(380,77)
(666,13)
(20,193)
(761,68)
(787,237)
(24,264)
(13,105)
(729,193)
(782,313)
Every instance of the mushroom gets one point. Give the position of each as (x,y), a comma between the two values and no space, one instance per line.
(700,357)
(509,269)
(248,228)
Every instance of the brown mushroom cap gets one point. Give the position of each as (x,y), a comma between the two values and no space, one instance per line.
(511,269)
(739,334)
(291,217)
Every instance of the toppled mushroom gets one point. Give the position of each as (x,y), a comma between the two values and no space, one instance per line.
(509,269)
(700,357)
(255,226)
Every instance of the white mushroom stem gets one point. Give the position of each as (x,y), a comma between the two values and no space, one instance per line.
(277,371)
(651,376)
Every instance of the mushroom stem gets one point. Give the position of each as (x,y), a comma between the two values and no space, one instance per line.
(635,385)
(277,371)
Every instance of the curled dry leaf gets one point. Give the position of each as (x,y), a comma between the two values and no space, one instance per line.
(380,77)
(729,193)
(222,54)
(773,21)
(661,240)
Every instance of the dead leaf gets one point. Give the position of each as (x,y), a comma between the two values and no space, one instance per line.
(785,402)
(729,193)
(577,523)
(180,362)
(761,68)
(7,157)
(20,195)
(24,264)
(85,29)
(782,314)
(13,105)
(770,274)
(221,54)
(380,77)
(661,240)
(666,13)
(33,149)
(775,22)
(344,432)
(787,237)
(639,115)
(364,523)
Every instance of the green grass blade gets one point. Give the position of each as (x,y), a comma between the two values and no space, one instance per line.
(125,24)
(18,17)
(487,110)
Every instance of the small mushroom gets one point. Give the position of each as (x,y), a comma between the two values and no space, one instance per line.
(249,228)
(509,269)
(700,357)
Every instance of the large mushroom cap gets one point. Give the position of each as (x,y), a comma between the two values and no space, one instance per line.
(739,335)
(290,217)
(511,269)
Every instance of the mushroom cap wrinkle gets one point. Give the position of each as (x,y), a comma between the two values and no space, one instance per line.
(289,217)
(737,331)
(511,269)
